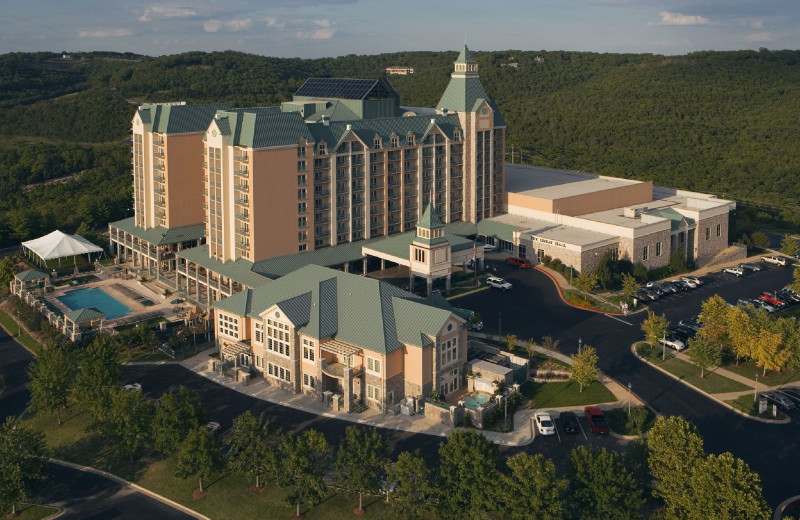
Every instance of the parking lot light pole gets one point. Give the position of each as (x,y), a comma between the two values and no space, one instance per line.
(580,343)
(629,398)
(755,389)
(664,347)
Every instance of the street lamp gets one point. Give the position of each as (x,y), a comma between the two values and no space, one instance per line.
(580,342)
(629,398)
(755,389)
(664,346)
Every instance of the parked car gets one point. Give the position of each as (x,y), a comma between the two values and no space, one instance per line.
(544,423)
(690,323)
(752,266)
(498,283)
(672,342)
(692,280)
(646,294)
(679,285)
(212,427)
(683,333)
(570,421)
(771,298)
(488,247)
(522,263)
(775,260)
(789,293)
(791,393)
(736,271)
(780,400)
(133,386)
(597,420)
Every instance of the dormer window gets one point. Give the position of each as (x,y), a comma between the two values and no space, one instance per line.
(376,143)
(322,149)
(457,134)
(410,139)
(395,141)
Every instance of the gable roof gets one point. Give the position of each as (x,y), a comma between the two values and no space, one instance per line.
(262,127)
(346,88)
(85,314)
(30,275)
(179,118)
(361,311)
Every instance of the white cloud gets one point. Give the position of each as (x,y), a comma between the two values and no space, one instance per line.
(759,37)
(668,18)
(757,24)
(241,24)
(324,31)
(166,11)
(104,33)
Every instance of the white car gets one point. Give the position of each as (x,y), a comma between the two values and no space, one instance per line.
(736,271)
(498,283)
(693,281)
(489,247)
(133,386)
(672,342)
(213,427)
(544,423)
(774,260)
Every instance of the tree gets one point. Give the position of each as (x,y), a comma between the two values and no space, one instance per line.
(468,476)
(253,447)
(7,272)
(654,327)
(674,448)
(584,366)
(640,272)
(511,342)
(23,458)
(585,282)
(725,488)
(789,246)
(704,353)
(795,286)
(760,239)
(360,462)
(176,414)
(601,486)
(741,332)
(128,423)
(604,271)
(52,375)
(530,348)
(532,489)
(677,262)
(416,492)
(550,344)
(99,373)
(197,455)
(768,353)
(629,285)
(305,459)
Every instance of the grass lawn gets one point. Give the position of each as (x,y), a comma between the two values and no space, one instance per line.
(749,369)
(25,339)
(557,394)
(34,512)
(618,421)
(228,494)
(711,383)
(746,404)
(588,301)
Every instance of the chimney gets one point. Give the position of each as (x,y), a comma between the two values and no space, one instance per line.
(444,111)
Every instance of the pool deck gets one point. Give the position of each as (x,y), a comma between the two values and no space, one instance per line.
(139,312)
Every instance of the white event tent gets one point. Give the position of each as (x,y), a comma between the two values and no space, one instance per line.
(60,245)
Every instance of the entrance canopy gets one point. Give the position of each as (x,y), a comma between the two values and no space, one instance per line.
(59,245)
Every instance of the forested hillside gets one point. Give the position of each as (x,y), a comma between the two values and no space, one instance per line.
(721,122)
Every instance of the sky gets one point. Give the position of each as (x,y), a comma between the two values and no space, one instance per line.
(322,28)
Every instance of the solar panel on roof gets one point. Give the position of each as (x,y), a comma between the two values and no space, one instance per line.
(343,88)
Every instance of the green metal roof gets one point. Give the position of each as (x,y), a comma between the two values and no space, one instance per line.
(262,127)
(329,256)
(239,270)
(362,311)
(430,218)
(30,275)
(463,94)
(465,56)
(85,314)
(398,245)
(491,228)
(160,235)
(674,217)
(180,119)
(461,228)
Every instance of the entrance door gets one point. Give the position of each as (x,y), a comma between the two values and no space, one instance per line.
(540,255)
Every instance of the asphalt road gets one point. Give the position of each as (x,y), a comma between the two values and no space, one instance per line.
(533,309)
(14,361)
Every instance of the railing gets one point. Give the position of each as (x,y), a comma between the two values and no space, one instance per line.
(241,172)
(332,369)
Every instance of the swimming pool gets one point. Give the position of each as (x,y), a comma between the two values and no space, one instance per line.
(474,401)
(97,298)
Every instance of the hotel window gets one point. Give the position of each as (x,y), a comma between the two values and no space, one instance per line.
(645,252)
(308,350)
(456,134)
(301,166)
(301,222)
(376,143)
(301,151)
(258,337)
(278,340)
(301,193)
(395,141)
(708,233)
(322,149)
(658,248)
(449,351)
(719,230)
(229,326)
(309,381)
(373,365)
(302,247)
(302,236)
(278,372)
(410,139)
(301,180)
(301,207)
(373,393)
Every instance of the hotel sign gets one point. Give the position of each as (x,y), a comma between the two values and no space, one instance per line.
(548,241)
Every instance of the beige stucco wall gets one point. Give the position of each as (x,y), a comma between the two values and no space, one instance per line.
(617,197)
(184,179)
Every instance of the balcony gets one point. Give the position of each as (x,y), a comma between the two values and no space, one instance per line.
(241,172)
(240,157)
(376,211)
(322,193)
(242,215)
(240,187)
(321,206)
(319,219)
(341,176)
(158,141)
(322,178)
(242,201)
(158,153)
(159,178)
(242,230)
(159,167)
(337,369)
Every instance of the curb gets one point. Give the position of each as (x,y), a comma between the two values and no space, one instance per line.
(710,396)
(473,291)
(561,294)
(137,487)
(782,506)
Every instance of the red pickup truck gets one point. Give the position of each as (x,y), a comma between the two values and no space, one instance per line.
(597,420)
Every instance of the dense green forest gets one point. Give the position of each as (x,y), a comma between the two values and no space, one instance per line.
(720,122)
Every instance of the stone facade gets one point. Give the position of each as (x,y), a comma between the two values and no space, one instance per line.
(658,249)
(711,237)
